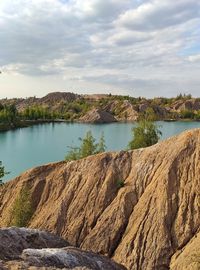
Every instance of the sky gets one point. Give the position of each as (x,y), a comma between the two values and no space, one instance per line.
(129,47)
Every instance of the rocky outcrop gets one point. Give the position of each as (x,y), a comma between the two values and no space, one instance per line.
(69,257)
(14,240)
(123,110)
(23,248)
(55,97)
(97,116)
(139,207)
(128,112)
(191,105)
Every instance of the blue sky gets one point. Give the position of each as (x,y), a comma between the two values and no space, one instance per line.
(134,47)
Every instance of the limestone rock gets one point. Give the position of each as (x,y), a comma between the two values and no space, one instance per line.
(68,257)
(14,240)
(23,248)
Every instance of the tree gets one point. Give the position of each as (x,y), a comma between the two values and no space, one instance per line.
(148,115)
(101,145)
(87,148)
(2,172)
(146,133)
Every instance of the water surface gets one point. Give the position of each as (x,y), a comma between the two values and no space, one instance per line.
(28,147)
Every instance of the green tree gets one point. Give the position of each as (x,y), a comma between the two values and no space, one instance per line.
(101,147)
(2,172)
(88,147)
(146,133)
(187,114)
(148,115)
(22,210)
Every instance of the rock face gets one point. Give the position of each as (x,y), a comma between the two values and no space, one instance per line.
(128,112)
(23,248)
(68,257)
(98,116)
(187,258)
(191,105)
(14,240)
(153,217)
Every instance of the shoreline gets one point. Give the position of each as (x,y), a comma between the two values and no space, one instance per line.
(29,123)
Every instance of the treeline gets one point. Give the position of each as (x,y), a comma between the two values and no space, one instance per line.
(8,114)
(160,107)
(189,114)
(38,112)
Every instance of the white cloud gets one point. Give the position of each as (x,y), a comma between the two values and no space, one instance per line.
(158,14)
(194,58)
(116,44)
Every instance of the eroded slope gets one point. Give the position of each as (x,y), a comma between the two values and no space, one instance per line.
(142,224)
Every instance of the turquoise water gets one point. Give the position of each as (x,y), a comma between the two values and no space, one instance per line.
(28,147)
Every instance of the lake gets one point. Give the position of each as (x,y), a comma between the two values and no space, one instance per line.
(25,148)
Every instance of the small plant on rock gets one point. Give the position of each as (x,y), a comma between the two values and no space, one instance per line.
(120,183)
(22,210)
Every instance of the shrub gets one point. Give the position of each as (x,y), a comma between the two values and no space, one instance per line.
(2,173)
(187,114)
(145,134)
(22,210)
(87,148)
(120,183)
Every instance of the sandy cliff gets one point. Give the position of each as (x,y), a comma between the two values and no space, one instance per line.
(150,222)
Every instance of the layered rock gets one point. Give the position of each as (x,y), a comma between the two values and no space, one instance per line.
(141,223)
(187,258)
(191,105)
(128,112)
(98,116)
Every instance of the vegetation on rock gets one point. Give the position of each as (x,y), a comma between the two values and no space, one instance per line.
(22,209)
(120,183)
(2,172)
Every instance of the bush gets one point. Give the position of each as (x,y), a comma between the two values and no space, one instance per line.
(145,134)
(148,115)
(22,210)
(197,115)
(2,173)
(120,183)
(187,114)
(87,148)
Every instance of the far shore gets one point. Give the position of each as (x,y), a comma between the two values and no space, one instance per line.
(28,123)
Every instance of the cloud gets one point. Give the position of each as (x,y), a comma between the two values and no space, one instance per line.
(154,15)
(143,44)
(194,58)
